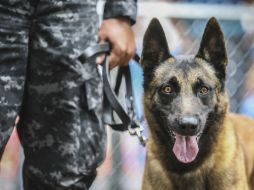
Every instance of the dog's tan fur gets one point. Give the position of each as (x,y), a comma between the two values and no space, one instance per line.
(229,162)
(234,153)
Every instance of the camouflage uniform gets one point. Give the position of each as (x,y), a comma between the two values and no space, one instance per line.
(59,99)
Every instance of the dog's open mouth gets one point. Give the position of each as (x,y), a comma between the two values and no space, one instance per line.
(186,147)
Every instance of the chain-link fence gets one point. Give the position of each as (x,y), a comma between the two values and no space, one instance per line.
(184,25)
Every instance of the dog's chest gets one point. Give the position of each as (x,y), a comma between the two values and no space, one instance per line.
(189,182)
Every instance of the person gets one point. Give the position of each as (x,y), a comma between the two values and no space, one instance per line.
(58,99)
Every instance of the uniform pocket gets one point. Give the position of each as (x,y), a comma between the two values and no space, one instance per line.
(94,92)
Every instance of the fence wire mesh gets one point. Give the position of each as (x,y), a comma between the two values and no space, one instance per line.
(124,164)
(123,168)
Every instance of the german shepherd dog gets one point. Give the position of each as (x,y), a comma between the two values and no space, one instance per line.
(195,143)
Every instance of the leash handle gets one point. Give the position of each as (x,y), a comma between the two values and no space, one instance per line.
(111,96)
(112,99)
(129,119)
(94,50)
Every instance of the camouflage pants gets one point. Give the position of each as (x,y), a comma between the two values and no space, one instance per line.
(58,98)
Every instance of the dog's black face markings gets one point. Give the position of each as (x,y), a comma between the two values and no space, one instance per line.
(186,93)
(183,92)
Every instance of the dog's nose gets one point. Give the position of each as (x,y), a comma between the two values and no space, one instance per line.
(188,125)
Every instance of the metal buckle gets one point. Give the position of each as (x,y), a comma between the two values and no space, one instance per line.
(135,128)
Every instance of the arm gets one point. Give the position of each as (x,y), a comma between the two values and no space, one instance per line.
(121,8)
(119,16)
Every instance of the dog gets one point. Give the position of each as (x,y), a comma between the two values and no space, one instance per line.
(195,143)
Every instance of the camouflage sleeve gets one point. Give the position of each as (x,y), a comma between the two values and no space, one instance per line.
(116,8)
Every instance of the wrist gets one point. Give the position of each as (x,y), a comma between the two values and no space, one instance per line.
(122,20)
(125,20)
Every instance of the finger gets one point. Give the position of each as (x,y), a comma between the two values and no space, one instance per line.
(125,60)
(102,40)
(124,54)
(129,55)
(133,49)
(102,36)
(114,60)
(100,59)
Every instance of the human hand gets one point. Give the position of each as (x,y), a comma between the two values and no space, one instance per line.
(118,32)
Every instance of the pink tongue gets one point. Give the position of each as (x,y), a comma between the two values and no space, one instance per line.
(185,148)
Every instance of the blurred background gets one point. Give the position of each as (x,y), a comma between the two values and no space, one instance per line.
(183,22)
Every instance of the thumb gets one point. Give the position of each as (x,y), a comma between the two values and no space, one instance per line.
(100,58)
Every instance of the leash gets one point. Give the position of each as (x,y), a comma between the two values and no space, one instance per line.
(111,104)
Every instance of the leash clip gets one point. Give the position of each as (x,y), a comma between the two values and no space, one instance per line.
(129,119)
(135,128)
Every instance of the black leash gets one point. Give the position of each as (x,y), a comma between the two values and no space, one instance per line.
(129,120)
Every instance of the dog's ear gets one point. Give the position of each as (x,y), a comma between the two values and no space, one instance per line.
(212,47)
(155,47)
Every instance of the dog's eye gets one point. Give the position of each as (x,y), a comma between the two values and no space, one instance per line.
(203,90)
(167,89)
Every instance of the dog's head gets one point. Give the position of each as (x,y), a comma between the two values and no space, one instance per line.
(184,96)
